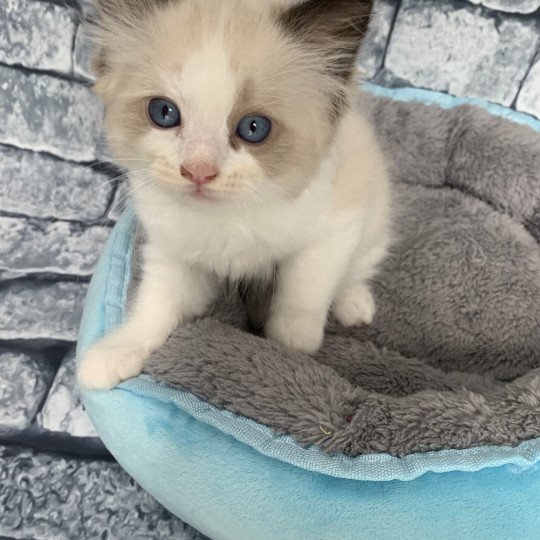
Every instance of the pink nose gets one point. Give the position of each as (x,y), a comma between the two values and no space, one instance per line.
(200,173)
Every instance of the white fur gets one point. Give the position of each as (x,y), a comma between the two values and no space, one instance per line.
(182,270)
(326,242)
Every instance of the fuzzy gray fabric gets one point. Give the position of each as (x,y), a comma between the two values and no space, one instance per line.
(452,359)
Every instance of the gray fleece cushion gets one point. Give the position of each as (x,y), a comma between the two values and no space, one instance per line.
(452,359)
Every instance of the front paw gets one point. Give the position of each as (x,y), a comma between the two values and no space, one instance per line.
(356,307)
(107,364)
(300,332)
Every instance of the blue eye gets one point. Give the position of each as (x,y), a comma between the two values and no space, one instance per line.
(254,129)
(164,113)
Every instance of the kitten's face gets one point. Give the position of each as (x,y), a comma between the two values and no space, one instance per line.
(213,102)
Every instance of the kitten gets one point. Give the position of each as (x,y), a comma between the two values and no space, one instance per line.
(241,125)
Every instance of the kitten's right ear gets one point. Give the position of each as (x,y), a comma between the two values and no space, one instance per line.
(334,28)
(111,16)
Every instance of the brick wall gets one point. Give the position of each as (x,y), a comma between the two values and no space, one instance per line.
(486,49)
(59,199)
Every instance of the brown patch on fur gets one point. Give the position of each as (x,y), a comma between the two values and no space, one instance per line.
(241,107)
(335,27)
(132,115)
(340,103)
(272,154)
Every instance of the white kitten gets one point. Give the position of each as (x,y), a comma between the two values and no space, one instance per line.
(240,123)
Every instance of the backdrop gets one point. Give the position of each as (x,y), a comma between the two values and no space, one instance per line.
(60,196)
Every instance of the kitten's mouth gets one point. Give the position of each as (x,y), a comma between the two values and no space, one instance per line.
(201,193)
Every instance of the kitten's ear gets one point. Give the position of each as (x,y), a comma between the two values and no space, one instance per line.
(336,27)
(110,16)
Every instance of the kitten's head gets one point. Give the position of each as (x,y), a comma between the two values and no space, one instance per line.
(226,100)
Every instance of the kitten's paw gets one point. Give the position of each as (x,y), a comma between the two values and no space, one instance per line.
(299,333)
(355,307)
(106,365)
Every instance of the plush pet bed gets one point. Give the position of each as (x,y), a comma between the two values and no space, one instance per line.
(245,439)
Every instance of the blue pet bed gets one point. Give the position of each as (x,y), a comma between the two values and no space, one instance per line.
(233,477)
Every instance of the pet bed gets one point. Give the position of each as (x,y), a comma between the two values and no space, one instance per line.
(425,424)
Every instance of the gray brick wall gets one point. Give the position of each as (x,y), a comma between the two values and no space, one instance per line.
(486,49)
(58,202)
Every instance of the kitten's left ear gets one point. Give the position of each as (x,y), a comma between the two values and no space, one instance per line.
(335,27)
